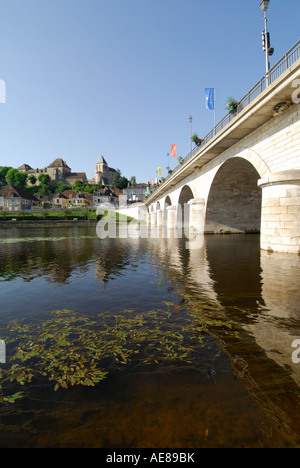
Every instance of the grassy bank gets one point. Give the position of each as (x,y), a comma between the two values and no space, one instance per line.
(63,215)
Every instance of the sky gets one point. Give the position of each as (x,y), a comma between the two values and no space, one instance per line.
(120,78)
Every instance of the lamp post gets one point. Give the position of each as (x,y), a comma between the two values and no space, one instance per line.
(190,120)
(266,46)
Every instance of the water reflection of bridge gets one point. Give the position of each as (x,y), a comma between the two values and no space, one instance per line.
(258,290)
(261,292)
(265,285)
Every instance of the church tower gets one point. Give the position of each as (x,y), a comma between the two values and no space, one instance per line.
(104,175)
(101,171)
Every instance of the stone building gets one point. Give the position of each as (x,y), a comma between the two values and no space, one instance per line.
(104,175)
(58,171)
(135,192)
(71,197)
(16,199)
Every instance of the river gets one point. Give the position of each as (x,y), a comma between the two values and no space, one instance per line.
(191,347)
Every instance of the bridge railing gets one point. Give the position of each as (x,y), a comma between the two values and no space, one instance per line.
(278,69)
(286,62)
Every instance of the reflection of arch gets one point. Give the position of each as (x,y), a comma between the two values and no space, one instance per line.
(234,202)
(185,196)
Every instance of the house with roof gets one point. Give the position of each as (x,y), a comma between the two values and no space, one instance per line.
(105,196)
(135,192)
(16,199)
(71,197)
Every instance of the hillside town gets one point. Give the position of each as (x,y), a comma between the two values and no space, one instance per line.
(57,187)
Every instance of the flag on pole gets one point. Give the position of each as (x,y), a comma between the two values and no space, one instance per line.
(152,182)
(159,171)
(210,98)
(173,151)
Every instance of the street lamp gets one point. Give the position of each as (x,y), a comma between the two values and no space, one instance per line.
(190,120)
(264,5)
(266,39)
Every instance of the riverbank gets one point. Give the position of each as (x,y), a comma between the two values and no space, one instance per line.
(80,218)
(47,223)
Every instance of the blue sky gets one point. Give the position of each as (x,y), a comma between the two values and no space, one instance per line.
(121,77)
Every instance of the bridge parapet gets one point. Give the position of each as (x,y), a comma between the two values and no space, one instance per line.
(255,109)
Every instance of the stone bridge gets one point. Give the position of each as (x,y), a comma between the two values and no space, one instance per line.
(246,175)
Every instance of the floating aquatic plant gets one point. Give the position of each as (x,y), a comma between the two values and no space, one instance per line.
(70,349)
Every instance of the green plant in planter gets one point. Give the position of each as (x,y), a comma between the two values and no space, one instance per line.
(197,140)
(180,160)
(232,105)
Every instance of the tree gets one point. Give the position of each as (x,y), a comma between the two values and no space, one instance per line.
(3,172)
(59,187)
(45,190)
(44,179)
(119,181)
(117,178)
(124,183)
(32,179)
(78,185)
(16,178)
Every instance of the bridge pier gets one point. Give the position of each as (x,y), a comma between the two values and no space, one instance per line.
(171,216)
(197,214)
(280,222)
(159,218)
(153,218)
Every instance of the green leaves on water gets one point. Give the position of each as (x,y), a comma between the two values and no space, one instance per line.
(208,315)
(69,349)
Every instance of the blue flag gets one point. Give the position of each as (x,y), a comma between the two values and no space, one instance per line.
(210,98)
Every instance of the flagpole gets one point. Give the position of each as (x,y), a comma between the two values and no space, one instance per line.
(215,113)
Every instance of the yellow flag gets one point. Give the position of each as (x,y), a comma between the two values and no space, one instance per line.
(159,171)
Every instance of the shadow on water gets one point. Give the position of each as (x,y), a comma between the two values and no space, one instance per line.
(235,307)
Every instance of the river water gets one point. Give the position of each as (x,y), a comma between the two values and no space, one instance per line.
(195,344)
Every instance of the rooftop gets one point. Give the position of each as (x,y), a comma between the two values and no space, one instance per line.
(59,163)
(10,190)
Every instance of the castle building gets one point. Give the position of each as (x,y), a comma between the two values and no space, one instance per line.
(58,171)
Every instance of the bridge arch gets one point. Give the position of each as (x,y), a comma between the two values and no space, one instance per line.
(234,200)
(186,194)
(252,157)
(168,201)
